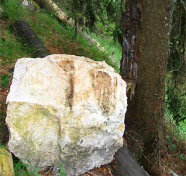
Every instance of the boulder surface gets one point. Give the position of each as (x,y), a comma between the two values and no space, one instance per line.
(65,109)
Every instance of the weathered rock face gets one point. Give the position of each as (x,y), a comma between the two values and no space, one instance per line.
(67,109)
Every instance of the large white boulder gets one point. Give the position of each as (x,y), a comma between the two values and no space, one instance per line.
(65,109)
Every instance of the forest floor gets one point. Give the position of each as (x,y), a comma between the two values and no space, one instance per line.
(59,39)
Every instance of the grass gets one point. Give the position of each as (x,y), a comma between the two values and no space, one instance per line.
(113,48)
(50,31)
(5,80)
(10,47)
(20,169)
(182,129)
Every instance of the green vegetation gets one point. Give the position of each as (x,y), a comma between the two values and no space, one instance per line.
(176,97)
(102,17)
(5,80)
(45,25)
(11,48)
(175,109)
(113,48)
(182,129)
(62,172)
(20,169)
(175,79)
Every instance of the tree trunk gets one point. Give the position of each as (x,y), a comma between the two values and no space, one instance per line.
(145,46)
(76,27)
(75,4)
(128,67)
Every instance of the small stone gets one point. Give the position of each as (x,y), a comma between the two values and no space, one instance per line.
(31,5)
(65,109)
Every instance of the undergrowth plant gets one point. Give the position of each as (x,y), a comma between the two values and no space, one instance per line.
(178,130)
(5,80)
(51,32)
(11,47)
(62,172)
(113,48)
(20,170)
(13,10)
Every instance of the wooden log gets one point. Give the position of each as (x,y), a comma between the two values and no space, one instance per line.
(25,32)
(127,165)
(52,6)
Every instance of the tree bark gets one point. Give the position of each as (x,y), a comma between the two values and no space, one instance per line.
(76,27)
(149,22)
(132,15)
